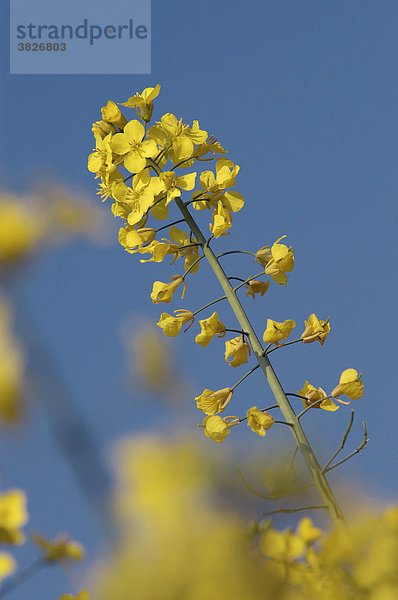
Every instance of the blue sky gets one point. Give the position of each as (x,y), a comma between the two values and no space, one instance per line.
(304,97)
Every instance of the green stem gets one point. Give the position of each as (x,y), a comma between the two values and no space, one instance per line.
(23,576)
(304,445)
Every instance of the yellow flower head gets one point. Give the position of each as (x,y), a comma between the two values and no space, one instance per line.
(83,595)
(307,531)
(217,428)
(7,565)
(259,421)
(315,330)
(277,260)
(101,129)
(172,325)
(143,103)
(112,114)
(214,402)
(312,394)
(13,515)
(163,292)
(222,221)
(210,327)
(254,287)
(61,548)
(276,332)
(237,350)
(282,546)
(179,138)
(173,185)
(133,147)
(133,239)
(350,385)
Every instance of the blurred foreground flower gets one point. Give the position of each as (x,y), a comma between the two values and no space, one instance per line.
(176,544)
(12,369)
(150,362)
(49,215)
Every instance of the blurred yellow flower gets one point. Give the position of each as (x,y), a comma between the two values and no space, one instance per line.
(22,228)
(276,332)
(62,548)
(12,369)
(8,565)
(259,421)
(83,595)
(13,516)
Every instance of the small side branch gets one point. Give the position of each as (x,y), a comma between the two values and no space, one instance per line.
(292,510)
(360,447)
(343,441)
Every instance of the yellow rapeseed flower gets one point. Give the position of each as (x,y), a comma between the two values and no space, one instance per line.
(111,113)
(163,292)
(259,421)
(133,147)
(217,428)
(315,330)
(143,103)
(277,261)
(237,350)
(254,287)
(210,327)
(312,394)
(276,332)
(214,402)
(172,325)
(350,385)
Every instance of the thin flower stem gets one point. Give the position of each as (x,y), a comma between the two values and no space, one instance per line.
(235,252)
(271,496)
(243,333)
(23,576)
(209,304)
(182,162)
(262,410)
(169,225)
(362,445)
(294,457)
(297,396)
(244,377)
(312,405)
(292,510)
(343,441)
(195,262)
(283,345)
(237,279)
(306,450)
(235,289)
